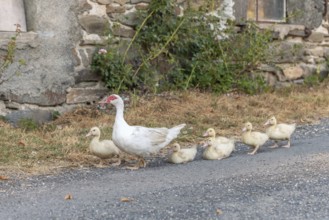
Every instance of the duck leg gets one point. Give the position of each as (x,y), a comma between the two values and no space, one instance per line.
(288,144)
(275,145)
(141,163)
(254,151)
(118,163)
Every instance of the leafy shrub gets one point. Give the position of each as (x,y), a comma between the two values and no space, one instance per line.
(115,73)
(186,52)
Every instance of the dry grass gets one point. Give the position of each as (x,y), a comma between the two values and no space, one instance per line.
(62,143)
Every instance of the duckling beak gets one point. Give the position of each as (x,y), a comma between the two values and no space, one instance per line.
(205,134)
(204,144)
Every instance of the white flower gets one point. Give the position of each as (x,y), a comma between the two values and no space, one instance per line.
(102,51)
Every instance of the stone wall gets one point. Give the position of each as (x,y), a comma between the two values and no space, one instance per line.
(47,49)
(58,48)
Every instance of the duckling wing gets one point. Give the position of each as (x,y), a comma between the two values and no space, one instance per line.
(182,155)
(287,129)
(109,146)
(259,137)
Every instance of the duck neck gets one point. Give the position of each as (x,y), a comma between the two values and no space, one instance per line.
(119,114)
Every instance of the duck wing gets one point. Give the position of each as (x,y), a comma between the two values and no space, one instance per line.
(155,136)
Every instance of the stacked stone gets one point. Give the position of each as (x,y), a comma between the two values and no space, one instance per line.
(96,17)
(297,54)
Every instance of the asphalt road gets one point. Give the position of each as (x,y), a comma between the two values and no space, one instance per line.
(274,184)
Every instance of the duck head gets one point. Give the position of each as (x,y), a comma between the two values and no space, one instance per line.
(94,131)
(271,121)
(247,127)
(113,99)
(176,147)
(210,133)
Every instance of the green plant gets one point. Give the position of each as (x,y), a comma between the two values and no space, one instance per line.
(183,52)
(9,58)
(27,124)
(116,74)
(55,115)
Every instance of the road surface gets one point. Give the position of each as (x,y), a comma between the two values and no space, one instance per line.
(274,184)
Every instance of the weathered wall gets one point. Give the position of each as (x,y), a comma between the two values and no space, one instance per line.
(64,34)
(49,70)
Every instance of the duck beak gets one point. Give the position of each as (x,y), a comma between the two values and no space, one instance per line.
(205,134)
(244,129)
(103,101)
(87,135)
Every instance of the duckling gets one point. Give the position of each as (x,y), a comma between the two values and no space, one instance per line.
(182,155)
(253,138)
(211,133)
(103,149)
(216,150)
(279,132)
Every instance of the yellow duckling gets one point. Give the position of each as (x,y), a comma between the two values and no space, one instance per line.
(216,151)
(103,149)
(253,138)
(182,155)
(211,133)
(279,132)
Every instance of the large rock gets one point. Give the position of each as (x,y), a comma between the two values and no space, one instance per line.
(86,75)
(293,72)
(123,31)
(23,41)
(113,8)
(139,1)
(94,24)
(316,37)
(85,95)
(129,18)
(36,115)
(105,2)
(307,12)
(287,52)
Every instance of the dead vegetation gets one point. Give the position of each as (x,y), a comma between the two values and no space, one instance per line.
(62,143)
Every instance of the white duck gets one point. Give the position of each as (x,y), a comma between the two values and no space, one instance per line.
(138,140)
(103,149)
(279,132)
(182,155)
(253,138)
(216,150)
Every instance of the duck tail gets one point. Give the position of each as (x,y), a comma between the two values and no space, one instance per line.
(174,132)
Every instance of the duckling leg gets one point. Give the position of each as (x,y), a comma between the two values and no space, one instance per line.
(254,151)
(118,163)
(275,145)
(288,144)
(142,162)
(101,164)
